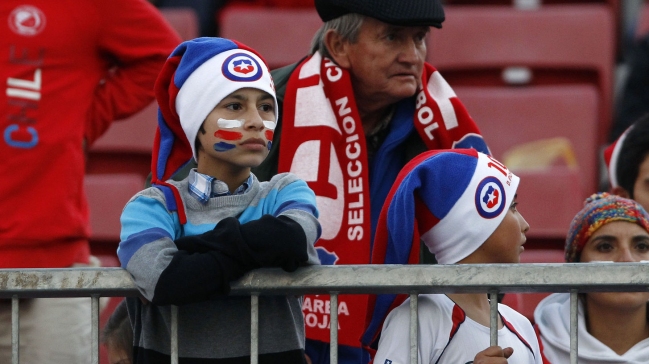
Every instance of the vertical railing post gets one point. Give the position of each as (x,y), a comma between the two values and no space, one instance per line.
(333,328)
(174,334)
(493,318)
(414,327)
(254,328)
(15,329)
(574,340)
(94,329)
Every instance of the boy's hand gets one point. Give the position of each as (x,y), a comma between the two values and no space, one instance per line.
(276,242)
(493,355)
(266,242)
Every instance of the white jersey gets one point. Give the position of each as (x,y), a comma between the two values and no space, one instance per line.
(447,335)
(552,316)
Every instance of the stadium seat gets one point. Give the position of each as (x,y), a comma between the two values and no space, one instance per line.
(509,116)
(615,6)
(526,303)
(554,44)
(281,35)
(107,194)
(127,145)
(183,20)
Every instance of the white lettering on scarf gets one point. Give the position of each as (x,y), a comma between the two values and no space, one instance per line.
(354,169)
(441,93)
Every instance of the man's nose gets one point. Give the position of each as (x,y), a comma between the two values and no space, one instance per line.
(410,52)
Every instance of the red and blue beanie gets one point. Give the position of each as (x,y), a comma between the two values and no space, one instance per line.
(452,200)
(612,156)
(198,74)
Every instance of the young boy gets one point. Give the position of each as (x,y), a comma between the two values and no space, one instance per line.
(117,336)
(183,242)
(627,160)
(462,205)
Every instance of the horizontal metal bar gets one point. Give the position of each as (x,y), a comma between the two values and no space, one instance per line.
(66,282)
(464,278)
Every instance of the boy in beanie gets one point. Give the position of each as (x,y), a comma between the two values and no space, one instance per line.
(185,241)
(462,205)
(612,326)
(627,160)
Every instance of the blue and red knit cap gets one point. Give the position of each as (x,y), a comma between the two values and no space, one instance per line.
(452,200)
(612,157)
(198,74)
(600,209)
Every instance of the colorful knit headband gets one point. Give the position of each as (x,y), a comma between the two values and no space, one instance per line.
(600,209)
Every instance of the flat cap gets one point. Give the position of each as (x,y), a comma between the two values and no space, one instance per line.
(396,12)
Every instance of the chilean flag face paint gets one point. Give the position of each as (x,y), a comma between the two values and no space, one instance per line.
(234,136)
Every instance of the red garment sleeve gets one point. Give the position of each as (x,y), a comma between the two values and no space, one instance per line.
(135,40)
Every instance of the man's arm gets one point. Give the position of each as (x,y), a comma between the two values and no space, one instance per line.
(135,41)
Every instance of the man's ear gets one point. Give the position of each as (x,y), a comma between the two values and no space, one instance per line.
(337,47)
(620,191)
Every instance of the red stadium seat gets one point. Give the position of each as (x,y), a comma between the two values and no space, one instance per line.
(184,20)
(508,116)
(107,195)
(281,35)
(615,7)
(555,44)
(127,145)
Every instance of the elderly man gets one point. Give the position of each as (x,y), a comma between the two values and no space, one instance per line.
(354,112)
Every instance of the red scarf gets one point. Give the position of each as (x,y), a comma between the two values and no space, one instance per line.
(323,143)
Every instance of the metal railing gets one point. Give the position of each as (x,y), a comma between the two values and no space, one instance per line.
(334,280)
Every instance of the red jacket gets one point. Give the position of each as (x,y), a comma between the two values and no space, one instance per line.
(68,69)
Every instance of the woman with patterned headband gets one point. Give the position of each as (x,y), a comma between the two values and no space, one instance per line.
(612,327)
